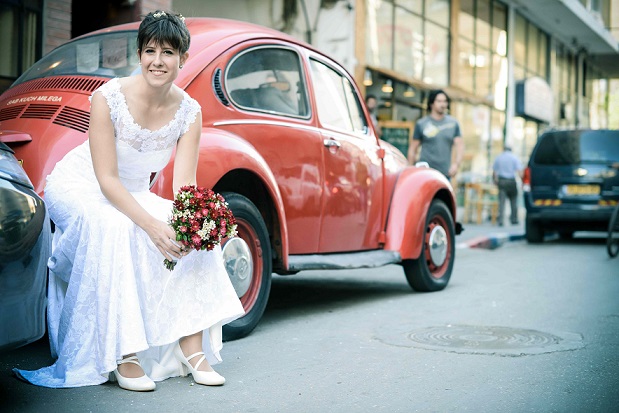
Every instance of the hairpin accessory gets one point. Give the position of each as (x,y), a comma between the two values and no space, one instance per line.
(159,14)
(180,16)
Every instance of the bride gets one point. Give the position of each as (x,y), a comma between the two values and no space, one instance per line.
(114,310)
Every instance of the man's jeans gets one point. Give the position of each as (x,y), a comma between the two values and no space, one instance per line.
(508,189)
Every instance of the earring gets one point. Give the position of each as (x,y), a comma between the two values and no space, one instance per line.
(180,67)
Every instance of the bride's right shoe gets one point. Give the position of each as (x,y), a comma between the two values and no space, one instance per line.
(142,383)
(207,378)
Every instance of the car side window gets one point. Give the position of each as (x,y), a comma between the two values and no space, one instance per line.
(337,103)
(268,79)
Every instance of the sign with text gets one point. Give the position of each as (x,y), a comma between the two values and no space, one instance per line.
(534,99)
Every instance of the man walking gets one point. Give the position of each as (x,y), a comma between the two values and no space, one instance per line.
(504,170)
(437,133)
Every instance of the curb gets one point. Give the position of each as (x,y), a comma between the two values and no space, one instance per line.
(491,241)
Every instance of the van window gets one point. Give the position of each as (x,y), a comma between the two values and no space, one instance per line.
(574,147)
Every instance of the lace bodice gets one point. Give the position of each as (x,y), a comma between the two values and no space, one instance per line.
(141,151)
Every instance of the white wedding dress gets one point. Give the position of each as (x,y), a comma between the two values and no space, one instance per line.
(109,291)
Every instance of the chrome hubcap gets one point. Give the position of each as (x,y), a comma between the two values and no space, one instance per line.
(438,245)
(239,264)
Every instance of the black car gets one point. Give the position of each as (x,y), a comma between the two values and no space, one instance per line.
(571,182)
(25,246)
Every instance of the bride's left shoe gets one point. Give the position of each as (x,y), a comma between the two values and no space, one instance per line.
(207,378)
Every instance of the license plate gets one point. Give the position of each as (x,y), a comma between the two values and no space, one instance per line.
(582,189)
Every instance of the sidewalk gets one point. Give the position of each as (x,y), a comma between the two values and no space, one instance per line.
(488,236)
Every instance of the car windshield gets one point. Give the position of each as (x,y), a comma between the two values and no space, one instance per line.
(106,55)
(574,147)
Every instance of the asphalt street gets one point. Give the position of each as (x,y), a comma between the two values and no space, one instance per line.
(520,328)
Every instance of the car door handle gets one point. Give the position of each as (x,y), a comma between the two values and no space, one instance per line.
(331,143)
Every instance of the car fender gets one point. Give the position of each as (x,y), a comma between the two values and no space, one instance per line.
(414,191)
(222,153)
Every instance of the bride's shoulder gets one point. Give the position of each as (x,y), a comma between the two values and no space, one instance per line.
(186,98)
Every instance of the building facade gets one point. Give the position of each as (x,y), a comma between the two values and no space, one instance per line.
(511,67)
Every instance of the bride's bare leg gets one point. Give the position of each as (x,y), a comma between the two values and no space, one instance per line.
(191,345)
(130,370)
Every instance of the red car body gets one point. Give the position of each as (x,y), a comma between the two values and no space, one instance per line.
(312,187)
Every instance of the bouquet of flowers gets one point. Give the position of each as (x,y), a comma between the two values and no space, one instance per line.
(201,219)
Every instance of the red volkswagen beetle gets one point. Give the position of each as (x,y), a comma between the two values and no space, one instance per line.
(286,139)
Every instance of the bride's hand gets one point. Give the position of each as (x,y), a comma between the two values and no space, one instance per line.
(164,238)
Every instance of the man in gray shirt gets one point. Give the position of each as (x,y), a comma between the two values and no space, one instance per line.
(437,133)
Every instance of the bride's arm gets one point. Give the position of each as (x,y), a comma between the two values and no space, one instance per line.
(187,152)
(104,159)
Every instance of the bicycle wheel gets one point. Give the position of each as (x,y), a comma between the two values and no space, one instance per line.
(612,242)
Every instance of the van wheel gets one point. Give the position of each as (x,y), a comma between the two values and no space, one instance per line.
(432,270)
(248,262)
(534,231)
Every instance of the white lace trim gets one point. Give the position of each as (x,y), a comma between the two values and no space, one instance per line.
(143,139)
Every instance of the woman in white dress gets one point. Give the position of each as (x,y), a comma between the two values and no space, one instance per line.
(114,310)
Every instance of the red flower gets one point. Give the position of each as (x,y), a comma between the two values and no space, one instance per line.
(197,206)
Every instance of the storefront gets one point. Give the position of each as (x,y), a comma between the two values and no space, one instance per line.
(479,51)
(486,54)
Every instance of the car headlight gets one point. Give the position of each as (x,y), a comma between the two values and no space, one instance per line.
(10,169)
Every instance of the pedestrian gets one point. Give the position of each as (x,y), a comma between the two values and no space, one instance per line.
(114,310)
(438,133)
(372,104)
(505,169)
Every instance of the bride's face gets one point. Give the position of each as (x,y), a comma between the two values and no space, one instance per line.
(160,63)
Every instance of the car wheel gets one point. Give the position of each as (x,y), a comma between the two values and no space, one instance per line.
(534,231)
(248,263)
(432,270)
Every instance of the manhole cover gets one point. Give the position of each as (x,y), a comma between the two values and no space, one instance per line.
(504,341)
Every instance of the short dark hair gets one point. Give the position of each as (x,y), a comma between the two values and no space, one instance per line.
(164,28)
(432,97)
(370,96)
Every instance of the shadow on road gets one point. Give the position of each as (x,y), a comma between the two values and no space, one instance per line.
(315,292)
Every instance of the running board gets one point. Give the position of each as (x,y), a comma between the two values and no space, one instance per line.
(351,260)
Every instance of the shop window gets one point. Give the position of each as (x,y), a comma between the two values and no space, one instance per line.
(438,11)
(499,28)
(483,68)
(409,44)
(532,49)
(380,36)
(482,29)
(520,38)
(465,65)
(415,6)
(20,31)
(437,51)
(466,19)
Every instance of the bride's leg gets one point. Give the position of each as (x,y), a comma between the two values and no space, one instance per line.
(193,344)
(130,370)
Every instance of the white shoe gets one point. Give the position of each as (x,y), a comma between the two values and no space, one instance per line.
(207,378)
(143,383)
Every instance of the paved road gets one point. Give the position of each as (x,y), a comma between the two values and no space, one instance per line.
(520,328)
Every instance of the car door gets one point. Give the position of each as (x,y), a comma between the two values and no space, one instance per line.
(351,203)
(267,87)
